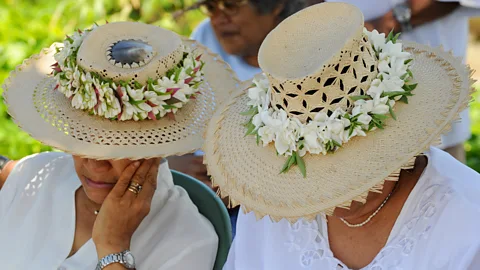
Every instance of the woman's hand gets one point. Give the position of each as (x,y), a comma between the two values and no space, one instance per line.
(123,210)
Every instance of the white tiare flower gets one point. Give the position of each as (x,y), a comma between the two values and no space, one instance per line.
(364,119)
(256,95)
(310,134)
(127,111)
(376,39)
(163,84)
(392,84)
(362,106)
(391,49)
(285,142)
(267,134)
(257,121)
(379,105)
(136,95)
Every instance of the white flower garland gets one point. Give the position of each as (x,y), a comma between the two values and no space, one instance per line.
(325,133)
(119,101)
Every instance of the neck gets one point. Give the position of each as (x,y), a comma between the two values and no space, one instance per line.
(399,193)
(88,205)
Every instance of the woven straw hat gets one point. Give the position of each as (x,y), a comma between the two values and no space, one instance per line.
(48,115)
(317,64)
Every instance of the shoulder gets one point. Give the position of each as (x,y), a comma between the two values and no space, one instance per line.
(461,179)
(202,31)
(30,166)
(205,35)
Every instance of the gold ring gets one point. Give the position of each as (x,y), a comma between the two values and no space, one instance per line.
(134,190)
(136,185)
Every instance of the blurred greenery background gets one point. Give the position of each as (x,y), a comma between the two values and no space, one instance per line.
(26,26)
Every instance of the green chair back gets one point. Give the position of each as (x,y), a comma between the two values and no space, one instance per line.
(212,207)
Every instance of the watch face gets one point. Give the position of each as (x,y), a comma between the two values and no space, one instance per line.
(129,260)
(403,13)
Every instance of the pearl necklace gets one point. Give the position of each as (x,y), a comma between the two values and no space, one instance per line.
(372,215)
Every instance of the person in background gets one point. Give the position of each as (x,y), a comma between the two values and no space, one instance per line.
(234,29)
(431,22)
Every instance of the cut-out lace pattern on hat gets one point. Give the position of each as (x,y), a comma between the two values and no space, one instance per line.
(306,238)
(350,73)
(100,131)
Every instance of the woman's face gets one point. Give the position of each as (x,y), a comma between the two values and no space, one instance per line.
(98,177)
(242,34)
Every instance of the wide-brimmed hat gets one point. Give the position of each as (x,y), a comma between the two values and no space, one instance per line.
(120,90)
(338,111)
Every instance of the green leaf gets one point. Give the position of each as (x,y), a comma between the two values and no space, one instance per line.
(410,73)
(258,138)
(390,36)
(252,111)
(408,61)
(355,98)
(288,164)
(251,129)
(395,38)
(177,74)
(136,102)
(137,85)
(335,143)
(392,94)
(301,164)
(379,116)
(391,111)
(167,107)
(413,86)
(404,99)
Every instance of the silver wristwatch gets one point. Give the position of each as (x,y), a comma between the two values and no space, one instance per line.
(403,14)
(125,258)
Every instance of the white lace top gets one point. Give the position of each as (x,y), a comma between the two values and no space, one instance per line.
(438,228)
(37,222)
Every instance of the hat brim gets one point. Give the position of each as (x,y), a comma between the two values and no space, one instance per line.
(250,174)
(48,116)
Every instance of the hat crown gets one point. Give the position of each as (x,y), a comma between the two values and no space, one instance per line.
(130,51)
(334,61)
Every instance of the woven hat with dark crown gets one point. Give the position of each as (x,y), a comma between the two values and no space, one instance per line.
(120,90)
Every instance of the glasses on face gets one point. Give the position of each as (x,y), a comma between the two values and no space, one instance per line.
(229,7)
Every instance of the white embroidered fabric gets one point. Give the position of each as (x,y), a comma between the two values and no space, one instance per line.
(437,229)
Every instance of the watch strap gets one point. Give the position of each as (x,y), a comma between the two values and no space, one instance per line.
(403,15)
(109,259)
(3,161)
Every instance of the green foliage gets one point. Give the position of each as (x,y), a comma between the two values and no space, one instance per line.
(473,145)
(27,26)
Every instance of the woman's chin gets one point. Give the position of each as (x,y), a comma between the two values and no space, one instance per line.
(95,195)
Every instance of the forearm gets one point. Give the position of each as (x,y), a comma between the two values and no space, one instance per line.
(114,266)
(430,10)
(6,171)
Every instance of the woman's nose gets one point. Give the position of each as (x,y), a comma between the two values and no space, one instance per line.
(98,166)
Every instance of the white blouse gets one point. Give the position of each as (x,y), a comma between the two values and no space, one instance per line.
(438,229)
(37,222)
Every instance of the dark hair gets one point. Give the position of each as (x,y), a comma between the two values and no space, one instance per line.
(289,6)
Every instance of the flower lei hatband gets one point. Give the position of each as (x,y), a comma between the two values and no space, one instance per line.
(120,101)
(325,134)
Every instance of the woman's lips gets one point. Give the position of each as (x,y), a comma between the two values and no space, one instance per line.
(101,185)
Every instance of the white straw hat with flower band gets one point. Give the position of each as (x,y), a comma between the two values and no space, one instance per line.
(120,90)
(338,111)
